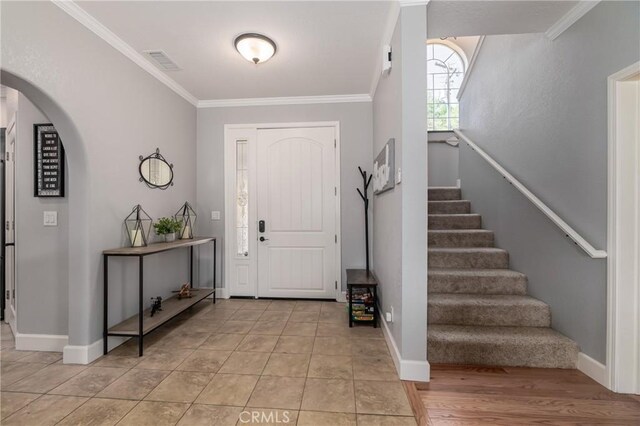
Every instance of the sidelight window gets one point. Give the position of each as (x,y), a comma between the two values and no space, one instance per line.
(242,199)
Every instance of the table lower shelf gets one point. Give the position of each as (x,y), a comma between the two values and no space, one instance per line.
(170,308)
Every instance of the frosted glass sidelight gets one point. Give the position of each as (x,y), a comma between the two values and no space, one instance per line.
(242,199)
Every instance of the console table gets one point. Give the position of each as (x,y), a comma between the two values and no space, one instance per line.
(141,324)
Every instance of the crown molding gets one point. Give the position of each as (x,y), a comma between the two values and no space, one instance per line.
(570,18)
(80,15)
(292,100)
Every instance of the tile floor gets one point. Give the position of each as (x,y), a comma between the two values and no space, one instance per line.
(236,362)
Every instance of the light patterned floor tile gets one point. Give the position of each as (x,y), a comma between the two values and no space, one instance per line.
(44,411)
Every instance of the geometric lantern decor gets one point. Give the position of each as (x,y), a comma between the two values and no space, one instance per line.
(138,225)
(187,217)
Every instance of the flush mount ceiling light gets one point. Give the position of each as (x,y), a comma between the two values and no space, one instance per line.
(255,48)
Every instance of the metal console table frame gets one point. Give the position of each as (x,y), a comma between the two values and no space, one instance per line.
(127,328)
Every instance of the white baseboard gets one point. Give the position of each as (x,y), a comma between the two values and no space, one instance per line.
(41,342)
(417,371)
(593,369)
(221,293)
(86,354)
(342,297)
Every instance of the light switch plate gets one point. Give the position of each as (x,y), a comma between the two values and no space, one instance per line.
(215,215)
(50,218)
(399,176)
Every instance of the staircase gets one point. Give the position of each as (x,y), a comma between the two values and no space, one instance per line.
(479,312)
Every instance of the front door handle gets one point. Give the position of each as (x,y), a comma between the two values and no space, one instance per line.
(264,239)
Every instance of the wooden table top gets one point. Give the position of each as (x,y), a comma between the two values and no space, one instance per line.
(157,247)
(361,277)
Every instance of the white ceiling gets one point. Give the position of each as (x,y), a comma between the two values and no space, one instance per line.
(324,48)
(466,18)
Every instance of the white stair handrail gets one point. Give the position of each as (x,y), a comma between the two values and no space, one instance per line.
(568,230)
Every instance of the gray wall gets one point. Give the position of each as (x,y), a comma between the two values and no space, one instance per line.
(42,271)
(355,150)
(400,259)
(3,110)
(108,112)
(387,207)
(443,164)
(539,107)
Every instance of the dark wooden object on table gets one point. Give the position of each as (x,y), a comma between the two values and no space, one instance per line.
(361,278)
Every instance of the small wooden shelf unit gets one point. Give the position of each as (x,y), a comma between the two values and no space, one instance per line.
(143,323)
(357,279)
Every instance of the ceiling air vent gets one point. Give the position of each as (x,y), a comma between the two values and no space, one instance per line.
(162,60)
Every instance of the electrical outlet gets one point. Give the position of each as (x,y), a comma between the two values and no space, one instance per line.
(389,315)
(50,218)
(215,215)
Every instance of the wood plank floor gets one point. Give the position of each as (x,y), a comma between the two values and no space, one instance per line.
(472,395)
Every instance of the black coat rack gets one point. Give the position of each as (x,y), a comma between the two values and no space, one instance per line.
(365,197)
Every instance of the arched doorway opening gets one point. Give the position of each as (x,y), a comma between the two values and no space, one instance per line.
(78,238)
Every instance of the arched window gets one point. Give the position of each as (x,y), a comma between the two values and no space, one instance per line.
(445,71)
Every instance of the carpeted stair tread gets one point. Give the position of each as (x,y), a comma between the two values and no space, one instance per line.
(477,281)
(468,257)
(506,346)
(449,207)
(454,221)
(444,193)
(478,311)
(489,310)
(460,238)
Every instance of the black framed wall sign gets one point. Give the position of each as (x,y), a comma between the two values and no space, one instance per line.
(48,162)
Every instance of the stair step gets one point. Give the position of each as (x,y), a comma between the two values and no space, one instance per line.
(500,346)
(444,193)
(476,257)
(489,310)
(454,221)
(449,206)
(477,281)
(460,238)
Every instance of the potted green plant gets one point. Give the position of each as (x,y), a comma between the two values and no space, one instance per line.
(167,227)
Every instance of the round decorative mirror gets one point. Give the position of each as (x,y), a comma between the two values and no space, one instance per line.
(155,171)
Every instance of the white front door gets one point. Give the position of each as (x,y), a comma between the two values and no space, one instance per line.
(9,226)
(296,194)
(287,178)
